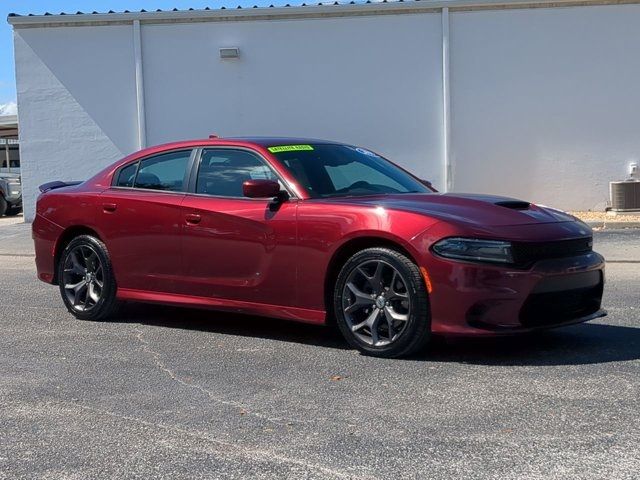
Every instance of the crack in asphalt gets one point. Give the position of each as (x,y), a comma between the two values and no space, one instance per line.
(228,448)
(243,408)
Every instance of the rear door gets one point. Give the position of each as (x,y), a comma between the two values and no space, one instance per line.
(237,248)
(141,219)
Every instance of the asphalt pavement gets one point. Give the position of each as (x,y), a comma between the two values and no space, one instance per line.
(173,393)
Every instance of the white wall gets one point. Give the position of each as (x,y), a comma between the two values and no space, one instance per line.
(76,100)
(544,101)
(373,81)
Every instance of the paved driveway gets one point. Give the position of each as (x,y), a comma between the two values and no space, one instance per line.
(171,393)
(4,220)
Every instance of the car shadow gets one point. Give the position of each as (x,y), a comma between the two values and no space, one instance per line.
(228,323)
(589,343)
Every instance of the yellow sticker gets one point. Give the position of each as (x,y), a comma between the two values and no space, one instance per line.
(290,148)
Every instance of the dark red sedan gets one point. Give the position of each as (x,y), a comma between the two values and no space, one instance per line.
(313,231)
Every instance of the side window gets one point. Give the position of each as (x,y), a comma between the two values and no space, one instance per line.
(127,175)
(222,171)
(164,172)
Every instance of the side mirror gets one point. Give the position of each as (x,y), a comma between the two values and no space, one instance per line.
(260,188)
(428,184)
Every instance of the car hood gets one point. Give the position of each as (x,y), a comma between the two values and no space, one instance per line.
(470,209)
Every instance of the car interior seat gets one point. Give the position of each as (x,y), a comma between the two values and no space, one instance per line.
(149,180)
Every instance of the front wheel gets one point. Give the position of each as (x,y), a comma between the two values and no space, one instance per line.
(86,279)
(381,303)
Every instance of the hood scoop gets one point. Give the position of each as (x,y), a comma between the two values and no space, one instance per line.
(514,204)
(506,202)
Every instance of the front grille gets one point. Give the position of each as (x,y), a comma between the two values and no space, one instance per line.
(526,254)
(550,308)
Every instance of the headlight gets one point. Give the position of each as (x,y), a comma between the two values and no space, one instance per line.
(475,250)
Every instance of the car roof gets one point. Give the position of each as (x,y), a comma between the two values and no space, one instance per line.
(274,141)
(212,141)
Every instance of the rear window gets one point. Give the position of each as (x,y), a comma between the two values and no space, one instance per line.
(127,175)
(166,172)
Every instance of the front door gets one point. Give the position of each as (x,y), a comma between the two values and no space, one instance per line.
(237,248)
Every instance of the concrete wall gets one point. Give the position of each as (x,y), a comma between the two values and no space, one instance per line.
(341,79)
(77,103)
(544,101)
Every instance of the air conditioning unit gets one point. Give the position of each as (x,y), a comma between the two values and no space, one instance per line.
(625,195)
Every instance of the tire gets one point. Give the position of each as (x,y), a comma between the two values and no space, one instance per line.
(3,206)
(85,264)
(402,324)
(13,211)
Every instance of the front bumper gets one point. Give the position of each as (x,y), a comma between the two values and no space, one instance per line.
(13,194)
(473,299)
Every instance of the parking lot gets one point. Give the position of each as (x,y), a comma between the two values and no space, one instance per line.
(170,393)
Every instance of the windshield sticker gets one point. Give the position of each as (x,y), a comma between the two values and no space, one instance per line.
(290,148)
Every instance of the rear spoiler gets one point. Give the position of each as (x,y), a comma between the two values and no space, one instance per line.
(57,184)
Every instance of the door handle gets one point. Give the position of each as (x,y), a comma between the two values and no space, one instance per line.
(109,207)
(193,218)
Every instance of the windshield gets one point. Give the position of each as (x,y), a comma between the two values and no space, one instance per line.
(330,170)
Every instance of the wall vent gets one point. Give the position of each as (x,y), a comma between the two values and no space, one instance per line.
(229,52)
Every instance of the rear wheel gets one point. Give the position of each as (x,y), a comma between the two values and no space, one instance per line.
(381,303)
(86,279)
(3,206)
